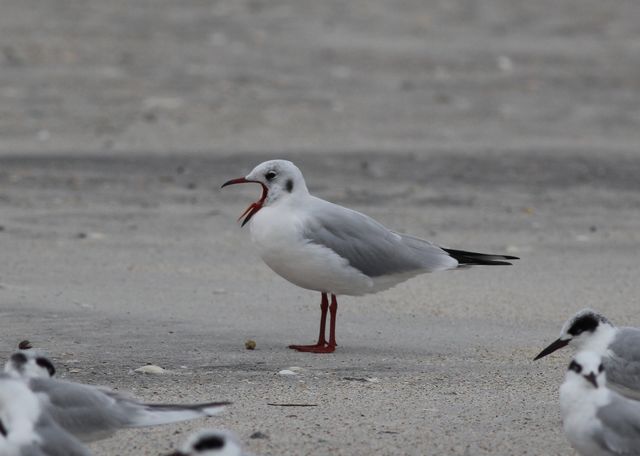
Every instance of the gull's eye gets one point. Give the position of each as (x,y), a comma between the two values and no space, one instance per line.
(575,367)
(270,175)
(600,368)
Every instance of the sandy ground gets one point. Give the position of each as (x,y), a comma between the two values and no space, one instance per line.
(495,126)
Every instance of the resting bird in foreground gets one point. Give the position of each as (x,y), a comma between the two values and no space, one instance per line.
(26,429)
(321,246)
(94,413)
(596,420)
(619,348)
(210,443)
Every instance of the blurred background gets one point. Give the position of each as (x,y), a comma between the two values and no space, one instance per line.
(222,76)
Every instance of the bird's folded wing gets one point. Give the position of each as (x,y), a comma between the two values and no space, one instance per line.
(370,247)
(623,366)
(620,429)
(55,441)
(81,409)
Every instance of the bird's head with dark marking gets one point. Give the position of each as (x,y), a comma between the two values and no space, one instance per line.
(280,180)
(585,330)
(210,443)
(29,364)
(587,368)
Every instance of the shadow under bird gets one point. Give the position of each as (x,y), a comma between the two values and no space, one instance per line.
(328,248)
(94,413)
(597,420)
(208,442)
(25,427)
(618,346)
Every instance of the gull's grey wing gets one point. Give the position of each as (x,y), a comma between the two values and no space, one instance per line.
(370,247)
(54,441)
(620,430)
(623,366)
(87,412)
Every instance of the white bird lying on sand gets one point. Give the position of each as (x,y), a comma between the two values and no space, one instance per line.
(597,420)
(93,413)
(619,348)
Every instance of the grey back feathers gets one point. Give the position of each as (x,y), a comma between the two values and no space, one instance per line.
(620,431)
(623,364)
(368,246)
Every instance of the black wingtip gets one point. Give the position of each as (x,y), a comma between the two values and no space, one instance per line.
(484,259)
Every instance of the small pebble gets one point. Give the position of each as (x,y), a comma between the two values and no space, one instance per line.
(25,345)
(250,344)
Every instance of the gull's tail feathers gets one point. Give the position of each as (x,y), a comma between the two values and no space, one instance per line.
(155,414)
(485,259)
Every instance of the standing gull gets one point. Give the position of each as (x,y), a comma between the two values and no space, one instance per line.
(94,413)
(596,420)
(321,246)
(619,348)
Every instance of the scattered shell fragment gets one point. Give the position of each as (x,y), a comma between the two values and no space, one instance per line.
(287,372)
(250,344)
(150,369)
(25,345)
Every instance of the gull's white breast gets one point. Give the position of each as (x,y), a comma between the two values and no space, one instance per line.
(579,419)
(277,232)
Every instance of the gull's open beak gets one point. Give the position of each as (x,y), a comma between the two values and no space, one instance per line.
(253,207)
(591,378)
(555,345)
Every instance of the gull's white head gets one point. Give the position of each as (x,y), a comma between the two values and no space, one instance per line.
(29,364)
(279,179)
(210,443)
(585,330)
(586,370)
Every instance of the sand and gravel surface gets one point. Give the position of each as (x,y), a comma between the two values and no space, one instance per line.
(495,126)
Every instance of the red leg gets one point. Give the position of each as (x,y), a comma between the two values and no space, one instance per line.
(320,345)
(332,323)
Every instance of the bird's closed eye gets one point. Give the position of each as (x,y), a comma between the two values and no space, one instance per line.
(575,367)
(270,175)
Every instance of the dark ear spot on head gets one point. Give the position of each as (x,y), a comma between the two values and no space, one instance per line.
(18,359)
(213,442)
(600,368)
(577,368)
(588,322)
(3,430)
(289,186)
(44,362)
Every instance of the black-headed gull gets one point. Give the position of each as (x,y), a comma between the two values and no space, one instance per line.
(619,348)
(94,413)
(25,427)
(321,246)
(597,420)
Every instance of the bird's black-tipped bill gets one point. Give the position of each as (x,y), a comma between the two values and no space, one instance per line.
(555,345)
(591,378)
